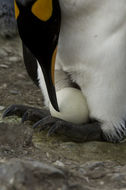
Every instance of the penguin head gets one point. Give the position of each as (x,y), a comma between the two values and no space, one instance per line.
(39,26)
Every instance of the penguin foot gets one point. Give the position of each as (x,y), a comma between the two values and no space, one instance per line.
(78,133)
(44,121)
(26,112)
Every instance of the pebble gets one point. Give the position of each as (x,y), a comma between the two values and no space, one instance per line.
(14,92)
(101,183)
(8,49)
(4,86)
(3,53)
(14,59)
(4,66)
(2,108)
(47,154)
(21,76)
(59,163)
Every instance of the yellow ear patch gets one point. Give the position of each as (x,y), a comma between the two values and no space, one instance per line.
(16,10)
(53,65)
(42,9)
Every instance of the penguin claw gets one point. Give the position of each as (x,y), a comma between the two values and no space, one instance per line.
(24,117)
(45,123)
(49,120)
(33,115)
(53,129)
(26,112)
(53,125)
(18,110)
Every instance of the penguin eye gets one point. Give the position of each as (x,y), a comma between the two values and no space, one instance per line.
(42,9)
(16,9)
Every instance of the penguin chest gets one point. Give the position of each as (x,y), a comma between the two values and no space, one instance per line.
(92,47)
(91,32)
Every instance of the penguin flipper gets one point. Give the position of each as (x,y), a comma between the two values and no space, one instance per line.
(26,112)
(74,132)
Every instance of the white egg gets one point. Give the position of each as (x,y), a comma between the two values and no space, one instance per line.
(73,106)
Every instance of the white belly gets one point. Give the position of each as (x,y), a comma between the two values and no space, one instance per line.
(92,48)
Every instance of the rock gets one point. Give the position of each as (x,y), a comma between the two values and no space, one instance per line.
(33,175)
(30,174)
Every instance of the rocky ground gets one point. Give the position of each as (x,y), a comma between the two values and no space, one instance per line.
(31,160)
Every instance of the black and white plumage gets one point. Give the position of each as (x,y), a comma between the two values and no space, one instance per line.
(91,53)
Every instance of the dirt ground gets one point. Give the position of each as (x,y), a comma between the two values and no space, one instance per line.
(19,141)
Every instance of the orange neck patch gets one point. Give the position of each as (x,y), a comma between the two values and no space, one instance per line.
(42,9)
(16,9)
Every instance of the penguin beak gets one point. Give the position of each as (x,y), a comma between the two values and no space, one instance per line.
(48,73)
(39,25)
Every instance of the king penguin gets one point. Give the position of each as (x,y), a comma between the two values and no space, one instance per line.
(90,36)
